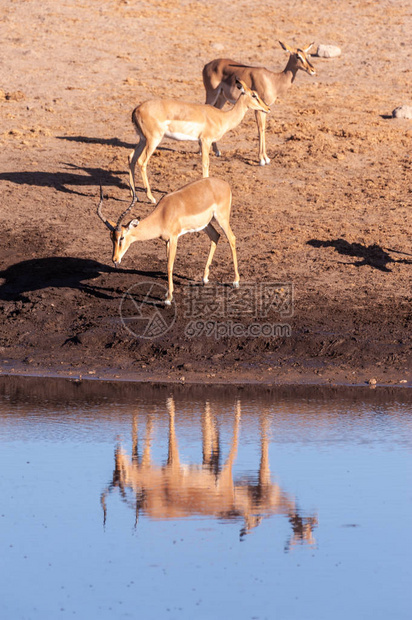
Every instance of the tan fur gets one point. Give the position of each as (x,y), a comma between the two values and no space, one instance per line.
(219,79)
(203,123)
(191,208)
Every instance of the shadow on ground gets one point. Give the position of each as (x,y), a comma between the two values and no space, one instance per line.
(66,272)
(373,255)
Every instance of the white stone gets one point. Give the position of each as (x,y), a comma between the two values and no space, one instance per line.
(328,51)
(403,111)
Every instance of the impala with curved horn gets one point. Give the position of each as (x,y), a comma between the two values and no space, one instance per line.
(220,77)
(186,121)
(189,209)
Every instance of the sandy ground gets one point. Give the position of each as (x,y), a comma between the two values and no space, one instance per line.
(323,232)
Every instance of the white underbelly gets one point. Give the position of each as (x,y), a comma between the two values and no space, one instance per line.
(183,130)
(175,135)
(191,230)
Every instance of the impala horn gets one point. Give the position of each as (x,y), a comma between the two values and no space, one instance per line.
(128,208)
(99,211)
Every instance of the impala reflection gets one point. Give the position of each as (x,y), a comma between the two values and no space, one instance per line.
(175,490)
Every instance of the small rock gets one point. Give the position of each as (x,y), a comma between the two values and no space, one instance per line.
(219,47)
(130,81)
(402,111)
(16,96)
(328,51)
(372,381)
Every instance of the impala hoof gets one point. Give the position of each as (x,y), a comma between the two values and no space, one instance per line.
(205,280)
(168,302)
(262,162)
(235,284)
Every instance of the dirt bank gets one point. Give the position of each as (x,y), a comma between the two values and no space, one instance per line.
(323,232)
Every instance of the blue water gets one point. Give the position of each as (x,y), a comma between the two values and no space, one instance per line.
(249,507)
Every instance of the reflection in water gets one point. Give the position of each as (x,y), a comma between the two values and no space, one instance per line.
(347,455)
(175,490)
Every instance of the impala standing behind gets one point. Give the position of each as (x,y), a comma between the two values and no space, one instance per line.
(186,121)
(189,209)
(220,76)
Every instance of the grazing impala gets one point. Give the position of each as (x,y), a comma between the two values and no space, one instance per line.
(220,76)
(189,209)
(186,121)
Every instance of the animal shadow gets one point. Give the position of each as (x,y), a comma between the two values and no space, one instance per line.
(373,255)
(61,180)
(57,272)
(65,272)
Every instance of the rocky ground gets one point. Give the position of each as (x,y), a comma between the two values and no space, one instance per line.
(323,232)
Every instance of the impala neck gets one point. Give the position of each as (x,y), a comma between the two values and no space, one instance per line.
(147,229)
(287,76)
(236,114)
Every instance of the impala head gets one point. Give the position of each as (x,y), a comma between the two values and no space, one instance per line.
(254,101)
(119,233)
(300,57)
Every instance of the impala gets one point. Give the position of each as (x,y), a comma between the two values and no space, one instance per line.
(220,76)
(189,209)
(186,121)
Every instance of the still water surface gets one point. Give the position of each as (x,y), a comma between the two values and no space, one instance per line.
(127,502)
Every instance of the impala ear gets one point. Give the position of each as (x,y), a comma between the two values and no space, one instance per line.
(133,223)
(286,47)
(241,85)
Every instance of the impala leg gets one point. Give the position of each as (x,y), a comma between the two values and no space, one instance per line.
(167,258)
(232,241)
(205,149)
(216,149)
(212,95)
(214,238)
(171,247)
(224,224)
(133,157)
(143,160)
(261,123)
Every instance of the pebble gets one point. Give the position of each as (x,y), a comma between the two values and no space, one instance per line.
(328,51)
(402,111)
(372,381)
